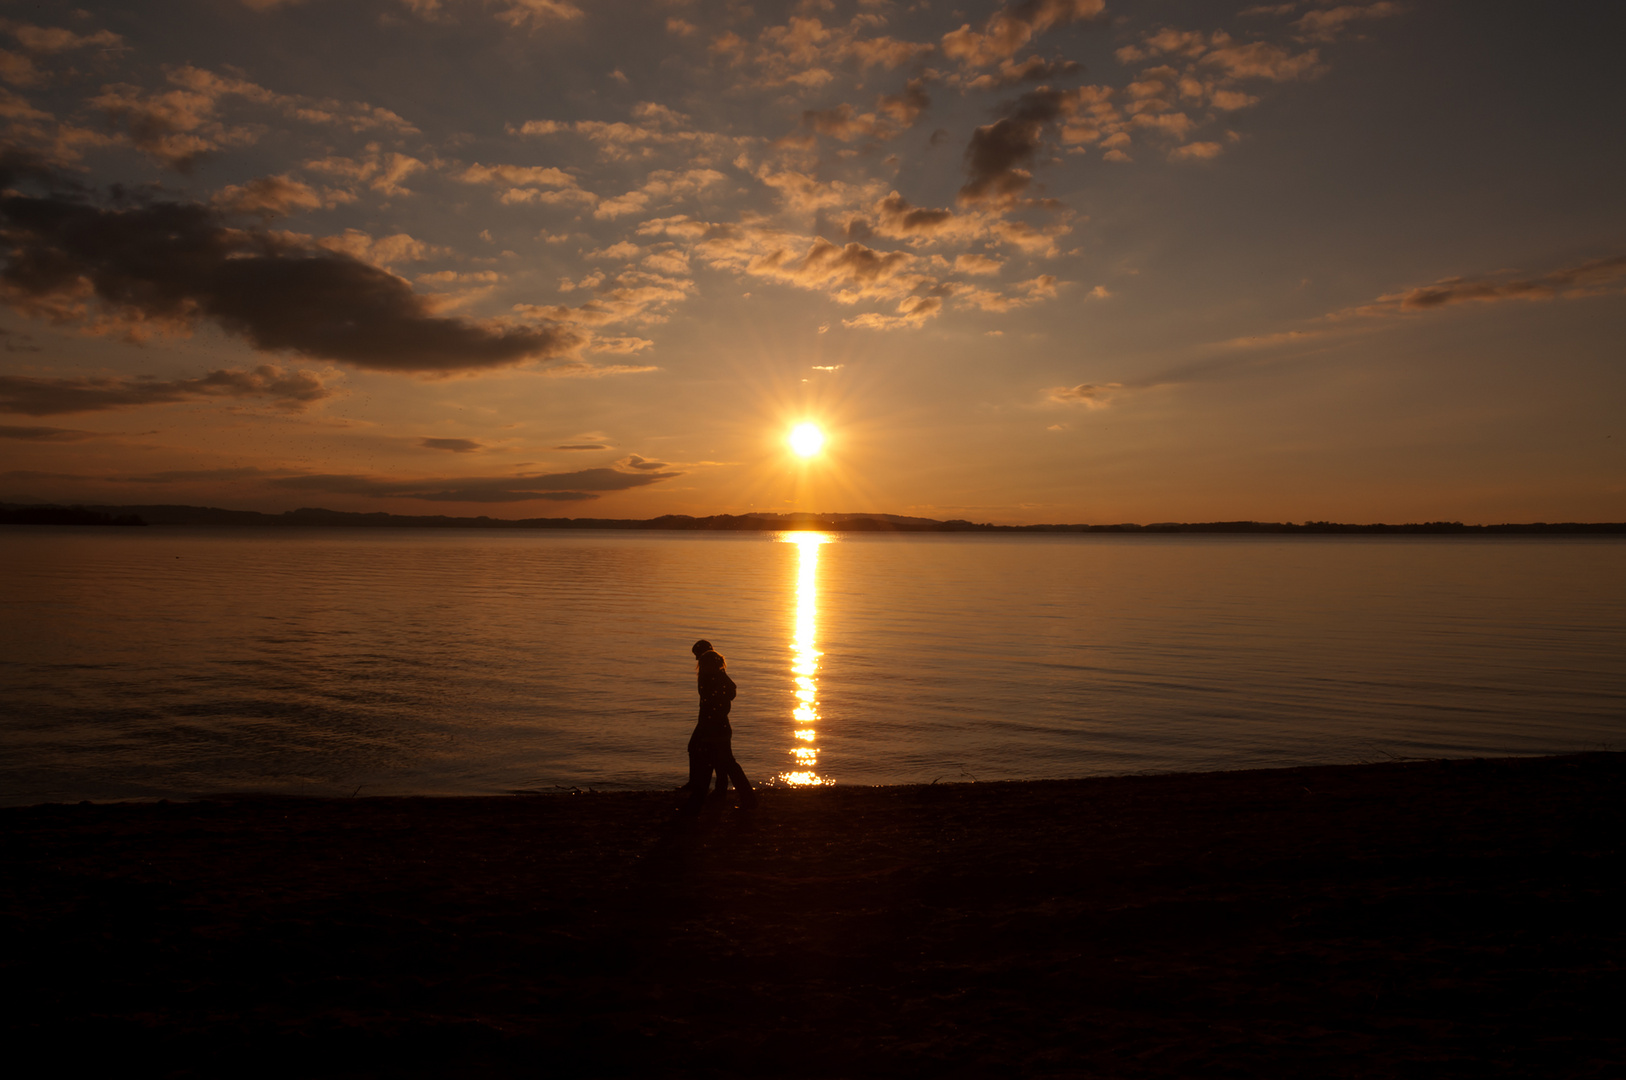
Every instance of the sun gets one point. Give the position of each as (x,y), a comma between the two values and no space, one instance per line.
(806,439)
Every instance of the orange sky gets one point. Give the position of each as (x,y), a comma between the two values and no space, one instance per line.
(1050,261)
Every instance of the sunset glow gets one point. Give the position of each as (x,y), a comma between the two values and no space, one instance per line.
(1063,262)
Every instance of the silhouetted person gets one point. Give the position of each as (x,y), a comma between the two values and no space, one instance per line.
(711,745)
(700,648)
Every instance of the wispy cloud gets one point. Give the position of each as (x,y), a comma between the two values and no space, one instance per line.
(46,434)
(456,446)
(577,486)
(290,391)
(1590,278)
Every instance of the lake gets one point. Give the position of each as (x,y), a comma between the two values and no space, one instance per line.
(144,663)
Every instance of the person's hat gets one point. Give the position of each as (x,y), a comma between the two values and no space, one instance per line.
(700,647)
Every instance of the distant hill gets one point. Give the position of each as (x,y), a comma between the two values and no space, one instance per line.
(62,515)
(213,517)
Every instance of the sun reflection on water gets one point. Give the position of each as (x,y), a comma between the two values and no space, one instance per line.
(805,660)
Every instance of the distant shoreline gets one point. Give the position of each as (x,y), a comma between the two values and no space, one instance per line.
(213,517)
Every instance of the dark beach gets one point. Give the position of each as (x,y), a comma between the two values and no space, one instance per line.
(1454,918)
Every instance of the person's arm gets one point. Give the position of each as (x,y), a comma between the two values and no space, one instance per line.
(729,689)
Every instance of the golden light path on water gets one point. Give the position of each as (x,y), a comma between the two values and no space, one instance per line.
(805,655)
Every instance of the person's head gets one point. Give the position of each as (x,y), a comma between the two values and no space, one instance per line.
(712,661)
(700,648)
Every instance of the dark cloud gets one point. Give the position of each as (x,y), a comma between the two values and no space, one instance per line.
(636,462)
(557,487)
(582,446)
(900,218)
(904,108)
(172,264)
(1584,279)
(456,446)
(291,391)
(1000,154)
(46,434)
(1592,274)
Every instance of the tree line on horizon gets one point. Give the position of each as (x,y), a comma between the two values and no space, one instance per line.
(204,516)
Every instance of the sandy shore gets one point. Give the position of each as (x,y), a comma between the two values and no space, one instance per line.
(1409,919)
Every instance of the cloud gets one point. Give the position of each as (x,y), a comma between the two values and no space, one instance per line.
(1325,24)
(381,172)
(913,311)
(167,266)
(803,194)
(844,123)
(1585,279)
(555,487)
(849,272)
(580,369)
(903,108)
(1261,60)
(456,446)
(582,446)
(519,14)
(1177,124)
(172,476)
(176,126)
(662,187)
(46,434)
(1198,151)
(977,264)
(1089,395)
(383,251)
(1000,153)
(800,52)
(620,250)
(624,346)
(656,127)
(1024,294)
(535,14)
(276,196)
(632,295)
(1011,72)
(291,391)
(517,176)
(18,68)
(48,40)
(1011,27)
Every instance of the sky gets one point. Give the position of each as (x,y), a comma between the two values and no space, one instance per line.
(1045,261)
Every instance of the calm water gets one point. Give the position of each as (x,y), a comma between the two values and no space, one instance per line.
(153,662)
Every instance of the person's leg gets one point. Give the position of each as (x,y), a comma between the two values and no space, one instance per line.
(748,794)
(690,785)
(700,766)
(722,779)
